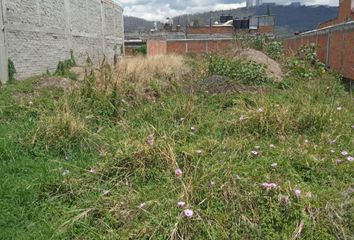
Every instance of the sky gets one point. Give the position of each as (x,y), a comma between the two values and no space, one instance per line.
(158,10)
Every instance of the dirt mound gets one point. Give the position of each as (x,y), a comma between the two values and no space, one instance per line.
(43,83)
(22,97)
(273,68)
(80,72)
(219,84)
(56,82)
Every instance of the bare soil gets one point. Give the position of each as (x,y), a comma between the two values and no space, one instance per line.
(56,82)
(217,84)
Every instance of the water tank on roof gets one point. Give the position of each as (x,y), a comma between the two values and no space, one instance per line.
(224,19)
(237,24)
(245,23)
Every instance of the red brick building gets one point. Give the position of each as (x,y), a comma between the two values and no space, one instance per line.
(346,14)
(335,41)
(210,39)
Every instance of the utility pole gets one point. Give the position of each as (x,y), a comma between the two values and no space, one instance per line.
(4,72)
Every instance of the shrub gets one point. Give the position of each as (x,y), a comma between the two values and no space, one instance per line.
(273,48)
(247,72)
(63,68)
(305,65)
(141,50)
(12,70)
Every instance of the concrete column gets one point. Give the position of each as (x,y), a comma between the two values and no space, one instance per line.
(103,25)
(328,49)
(68,24)
(4,73)
(123,33)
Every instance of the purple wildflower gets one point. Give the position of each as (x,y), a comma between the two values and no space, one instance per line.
(350,158)
(93,170)
(178,172)
(344,153)
(338,161)
(298,193)
(274,165)
(269,186)
(181,204)
(188,213)
(142,205)
(254,153)
(150,140)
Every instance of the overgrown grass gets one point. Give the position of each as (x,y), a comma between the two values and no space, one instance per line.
(77,165)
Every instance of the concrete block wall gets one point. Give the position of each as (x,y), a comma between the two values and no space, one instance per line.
(39,33)
(335,47)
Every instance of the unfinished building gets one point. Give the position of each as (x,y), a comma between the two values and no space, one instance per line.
(36,35)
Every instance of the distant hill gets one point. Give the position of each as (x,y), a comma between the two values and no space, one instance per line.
(289,19)
(134,24)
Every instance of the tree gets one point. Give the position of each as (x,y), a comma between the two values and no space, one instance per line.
(196,22)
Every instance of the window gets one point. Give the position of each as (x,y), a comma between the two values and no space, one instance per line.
(352,6)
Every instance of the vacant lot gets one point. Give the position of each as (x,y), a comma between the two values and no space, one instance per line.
(143,151)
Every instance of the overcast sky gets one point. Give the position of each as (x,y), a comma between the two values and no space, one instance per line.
(160,9)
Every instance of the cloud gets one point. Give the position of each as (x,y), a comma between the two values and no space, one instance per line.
(160,9)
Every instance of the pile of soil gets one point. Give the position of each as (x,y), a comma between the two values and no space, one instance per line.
(45,82)
(56,82)
(80,72)
(216,84)
(273,69)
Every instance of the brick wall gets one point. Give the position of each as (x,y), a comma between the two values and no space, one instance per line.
(129,51)
(38,34)
(266,29)
(160,47)
(335,47)
(156,47)
(211,30)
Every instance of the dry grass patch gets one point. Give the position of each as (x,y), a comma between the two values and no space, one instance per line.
(141,70)
(142,78)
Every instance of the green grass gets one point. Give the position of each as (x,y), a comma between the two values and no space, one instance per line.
(80,131)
